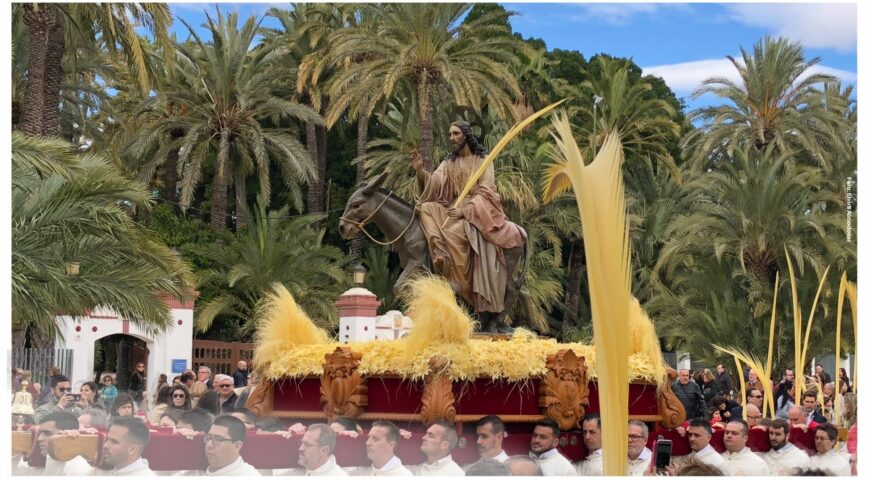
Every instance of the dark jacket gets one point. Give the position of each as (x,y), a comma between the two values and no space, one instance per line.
(240,378)
(229,405)
(725,382)
(710,390)
(692,399)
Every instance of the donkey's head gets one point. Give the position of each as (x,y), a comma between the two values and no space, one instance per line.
(360,207)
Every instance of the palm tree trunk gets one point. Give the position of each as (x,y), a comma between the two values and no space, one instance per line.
(315,186)
(219,187)
(40,338)
(362,139)
(572,292)
(19,338)
(427,137)
(39,18)
(53,79)
(242,213)
(170,177)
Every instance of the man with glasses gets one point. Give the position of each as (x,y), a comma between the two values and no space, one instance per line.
(753,415)
(740,461)
(826,458)
(315,454)
(227,395)
(222,446)
(638,455)
(62,400)
(754,396)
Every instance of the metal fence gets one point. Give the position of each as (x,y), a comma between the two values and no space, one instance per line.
(39,360)
(221,357)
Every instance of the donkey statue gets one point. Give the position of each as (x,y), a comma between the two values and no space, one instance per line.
(399,223)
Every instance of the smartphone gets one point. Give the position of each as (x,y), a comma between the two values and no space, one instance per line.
(75,396)
(663,454)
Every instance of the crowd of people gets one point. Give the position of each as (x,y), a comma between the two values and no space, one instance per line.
(216,415)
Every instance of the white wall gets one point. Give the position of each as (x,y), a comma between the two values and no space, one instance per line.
(175,343)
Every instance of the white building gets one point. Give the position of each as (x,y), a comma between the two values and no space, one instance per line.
(169,351)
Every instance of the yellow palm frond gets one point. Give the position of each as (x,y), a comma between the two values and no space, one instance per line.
(600,195)
(513,132)
(756,364)
(283,324)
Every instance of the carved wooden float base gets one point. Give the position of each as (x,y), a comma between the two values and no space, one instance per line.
(564,394)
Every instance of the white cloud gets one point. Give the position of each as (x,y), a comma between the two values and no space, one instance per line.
(814,25)
(615,14)
(685,78)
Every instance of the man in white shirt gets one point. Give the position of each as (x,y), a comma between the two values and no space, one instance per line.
(123,448)
(740,461)
(783,456)
(50,425)
(591,429)
(222,446)
(380,449)
(490,435)
(315,454)
(638,454)
(699,433)
(826,457)
(439,440)
(545,438)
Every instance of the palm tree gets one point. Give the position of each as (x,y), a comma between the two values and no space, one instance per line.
(275,249)
(229,99)
(772,104)
(426,50)
(746,214)
(55,30)
(73,210)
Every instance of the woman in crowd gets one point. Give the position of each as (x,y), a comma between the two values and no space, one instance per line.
(161,382)
(161,404)
(123,406)
(784,400)
(709,386)
(170,418)
(197,390)
(109,392)
(137,385)
(845,379)
(90,396)
(180,397)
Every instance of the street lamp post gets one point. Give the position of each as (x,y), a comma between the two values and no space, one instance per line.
(359,274)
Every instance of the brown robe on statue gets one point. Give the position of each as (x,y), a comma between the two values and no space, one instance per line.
(468,251)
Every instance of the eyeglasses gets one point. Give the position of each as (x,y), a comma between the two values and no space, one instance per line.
(179,395)
(227,385)
(215,439)
(635,437)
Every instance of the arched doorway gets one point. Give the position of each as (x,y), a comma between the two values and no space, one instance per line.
(117,355)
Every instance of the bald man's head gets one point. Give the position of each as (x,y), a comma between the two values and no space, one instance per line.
(753,415)
(797,415)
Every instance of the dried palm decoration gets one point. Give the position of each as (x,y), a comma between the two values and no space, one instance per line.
(438,319)
(600,195)
(283,324)
(846,287)
(763,377)
(645,341)
(800,352)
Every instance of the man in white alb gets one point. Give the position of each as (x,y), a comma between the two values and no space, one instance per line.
(699,433)
(127,439)
(740,461)
(783,456)
(826,457)
(545,438)
(315,454)
(223,442)
(381,450)
(439,440)
(51,425)
(638,454)
(490,435)
(592,465)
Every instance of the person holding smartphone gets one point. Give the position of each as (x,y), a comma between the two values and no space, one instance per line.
(62,399)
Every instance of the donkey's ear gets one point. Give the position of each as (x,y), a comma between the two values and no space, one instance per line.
(376,182)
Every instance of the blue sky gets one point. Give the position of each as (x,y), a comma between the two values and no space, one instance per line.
(682,43)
